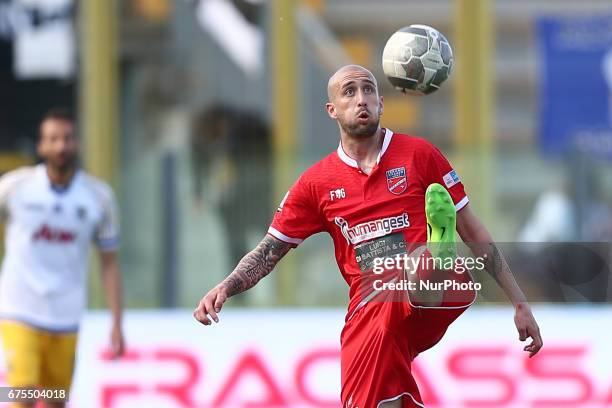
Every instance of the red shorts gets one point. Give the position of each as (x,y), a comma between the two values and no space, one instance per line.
(379,342)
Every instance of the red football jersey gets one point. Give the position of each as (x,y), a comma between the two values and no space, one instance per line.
(358,209)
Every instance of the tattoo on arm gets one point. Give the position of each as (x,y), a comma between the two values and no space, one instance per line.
(494,261)
(256,264)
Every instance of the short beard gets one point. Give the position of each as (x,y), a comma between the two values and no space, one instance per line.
(359,131)
(67,167)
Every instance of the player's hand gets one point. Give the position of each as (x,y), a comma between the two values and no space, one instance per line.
(117,342)
(527,328)
(211,305)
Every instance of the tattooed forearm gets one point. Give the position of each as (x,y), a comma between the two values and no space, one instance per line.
(477,237)
(255,265)
(494,261)
(498,268)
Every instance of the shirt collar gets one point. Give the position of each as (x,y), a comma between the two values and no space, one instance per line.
(42,169)
(353,163)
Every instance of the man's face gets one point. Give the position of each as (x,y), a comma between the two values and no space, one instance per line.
(58,145)
(354,102)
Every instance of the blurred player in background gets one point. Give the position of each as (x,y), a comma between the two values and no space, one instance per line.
(376,178)
(53,212)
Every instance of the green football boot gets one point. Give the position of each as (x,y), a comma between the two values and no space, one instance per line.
(441,222)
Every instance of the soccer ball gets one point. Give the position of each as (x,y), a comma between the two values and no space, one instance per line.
(417,59)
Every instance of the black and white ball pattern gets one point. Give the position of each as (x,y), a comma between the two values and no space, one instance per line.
(417,59)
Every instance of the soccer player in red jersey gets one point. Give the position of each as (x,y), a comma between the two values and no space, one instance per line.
(369,195)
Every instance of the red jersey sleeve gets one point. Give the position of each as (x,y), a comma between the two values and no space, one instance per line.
(439,170)
(298,215)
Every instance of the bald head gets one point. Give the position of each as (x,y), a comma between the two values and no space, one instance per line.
(354,101)
(335,80)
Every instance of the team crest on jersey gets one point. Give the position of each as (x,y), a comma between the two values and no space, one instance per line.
(397,182)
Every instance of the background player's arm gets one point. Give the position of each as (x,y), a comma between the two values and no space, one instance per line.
(107,240)
(250,270)
(111,280)
(475,235)
(8,182)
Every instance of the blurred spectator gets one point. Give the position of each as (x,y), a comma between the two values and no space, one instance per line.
(571,213)
(230,151)
(552,219)
(579,222)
